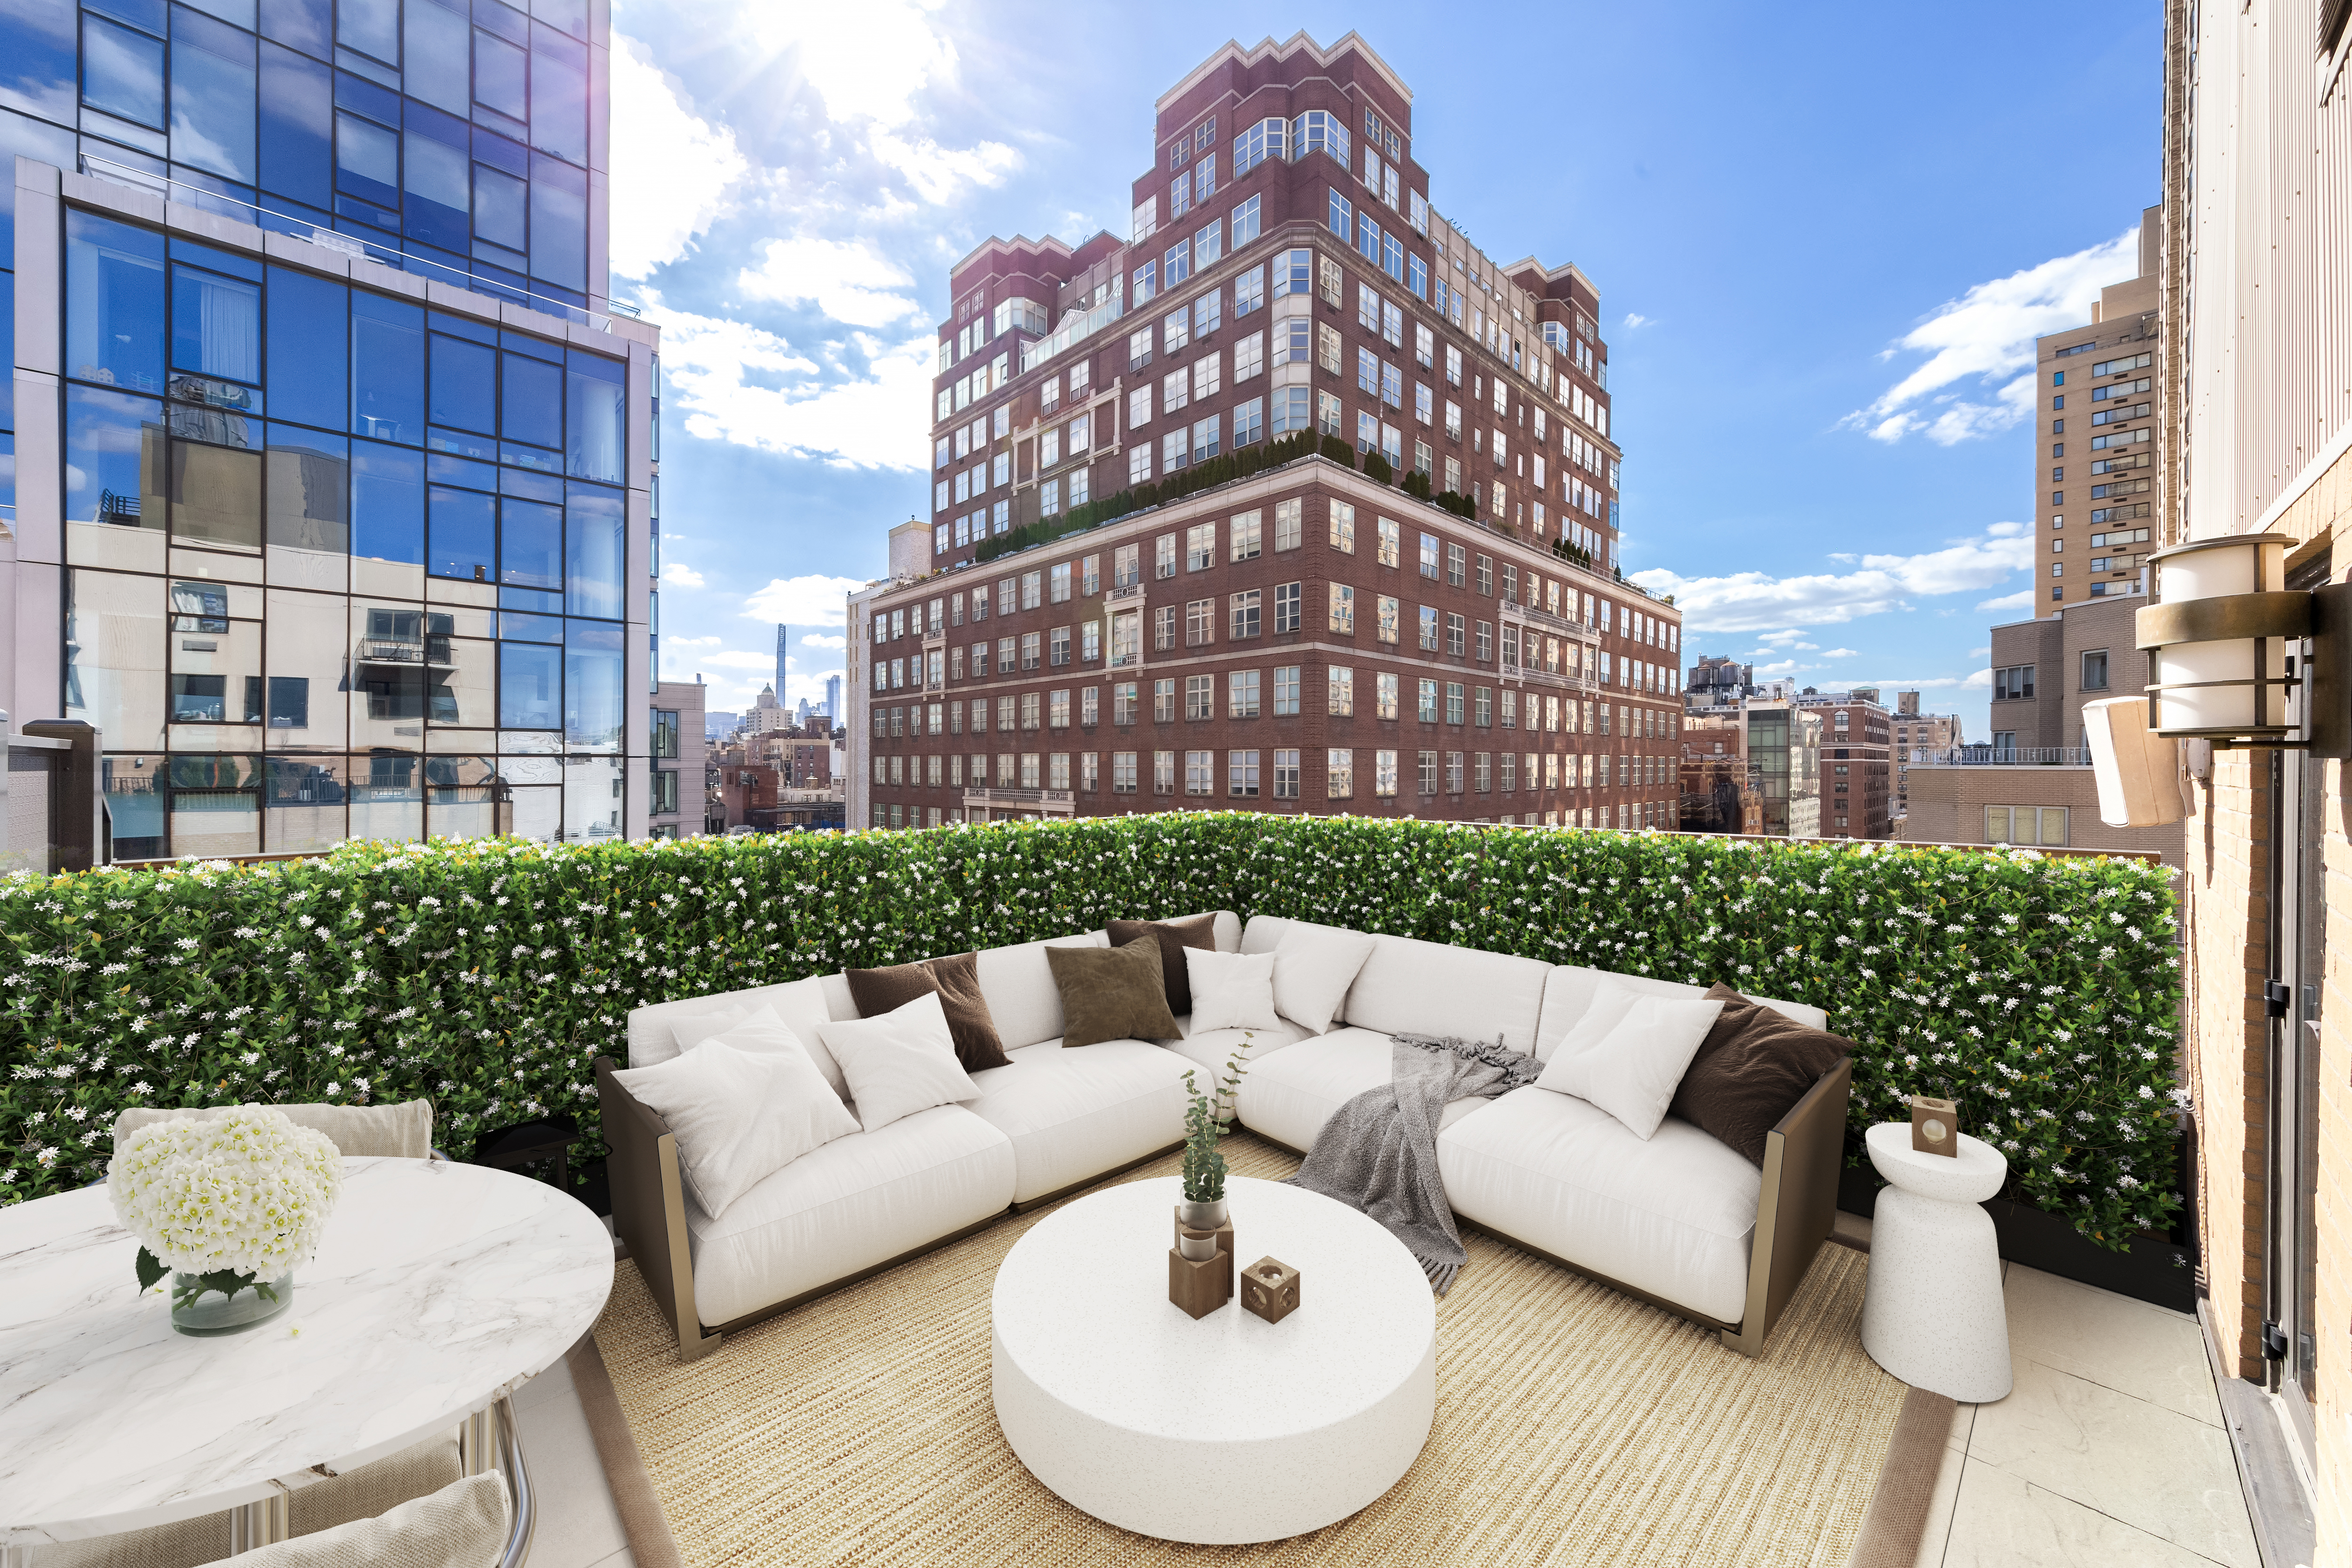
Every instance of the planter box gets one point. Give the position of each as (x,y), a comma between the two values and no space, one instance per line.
(2157,1269)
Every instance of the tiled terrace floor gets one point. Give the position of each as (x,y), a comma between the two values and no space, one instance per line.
(2109,1451)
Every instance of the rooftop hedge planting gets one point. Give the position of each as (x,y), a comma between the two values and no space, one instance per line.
(2043,994)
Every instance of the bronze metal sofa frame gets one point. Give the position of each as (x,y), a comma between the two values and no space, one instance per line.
(1794,1215)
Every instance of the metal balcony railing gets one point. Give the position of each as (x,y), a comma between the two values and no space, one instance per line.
(2002,757)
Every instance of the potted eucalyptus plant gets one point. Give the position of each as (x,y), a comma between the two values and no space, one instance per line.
(1203,1207)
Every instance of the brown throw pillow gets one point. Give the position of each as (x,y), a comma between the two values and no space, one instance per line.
(1751,1071)
(956,980)
(1175,936)
(1111,993)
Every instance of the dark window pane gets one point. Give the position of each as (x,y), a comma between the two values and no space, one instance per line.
(212,95)
(498,74)
(531,401)
(199,698)
(289,708)
(531,686)
(304,24)
(114,458)
(298,126)
(531,545)
(591,686)
(500,208)
(308,491)
(216,325)
(558,95)
(571,15)
(114,302)
(307,359)
(436,68)
(461,534)
(597,419)
(559,223)
(464,384)
(370,27)
(387,368)
(367,159)
(437,198)
(40,75)
(596,534)
(123,71)
(387,503)
(216,496)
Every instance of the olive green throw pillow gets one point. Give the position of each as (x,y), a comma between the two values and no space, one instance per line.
(1111,993)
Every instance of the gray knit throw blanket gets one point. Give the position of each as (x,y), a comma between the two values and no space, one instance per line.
(1378,1152)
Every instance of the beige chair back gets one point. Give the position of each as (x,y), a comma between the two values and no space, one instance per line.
(404,1131)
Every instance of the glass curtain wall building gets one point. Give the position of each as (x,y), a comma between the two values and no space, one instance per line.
(332,472)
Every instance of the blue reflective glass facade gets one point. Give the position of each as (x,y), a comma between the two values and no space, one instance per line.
(331,559)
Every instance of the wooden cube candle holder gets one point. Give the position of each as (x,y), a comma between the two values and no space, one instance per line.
(1225,1240)
(1934,1126)
(1198,1288)
(1270,1289)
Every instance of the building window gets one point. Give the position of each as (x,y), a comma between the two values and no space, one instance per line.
(1163,629)
(1200,771)
(2094,670)
(1164,772)
(1241,774)
(1339,688)
(1339,773)
(1241,694)
(1199,696)
(1426,709)
(1122,773)
(1163,701)
(2036,825)
(1384,772)
(1286,606)
(1343,608)
(1384,694)
(1285,775)
(1243,536)
(2013,683)
(1285,691)
(1200,622)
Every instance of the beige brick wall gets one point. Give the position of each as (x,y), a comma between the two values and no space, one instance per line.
(1947,807)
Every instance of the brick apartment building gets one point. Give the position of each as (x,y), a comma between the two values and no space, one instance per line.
(1857,762)
(1306,636)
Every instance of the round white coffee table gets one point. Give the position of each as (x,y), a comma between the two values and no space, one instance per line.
(437,1289)
(1227,1429)
(1933,1313)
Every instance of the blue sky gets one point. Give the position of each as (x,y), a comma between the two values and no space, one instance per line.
(1824,237)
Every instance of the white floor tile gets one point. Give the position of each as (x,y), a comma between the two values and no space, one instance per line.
(578,1527)
(2139,1463)
(2003,1521)
(555,1383)
(2131,1346)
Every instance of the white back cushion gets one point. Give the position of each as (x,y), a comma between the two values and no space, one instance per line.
(1410,986)
(1017,983)
(801,1005)
(1569,992)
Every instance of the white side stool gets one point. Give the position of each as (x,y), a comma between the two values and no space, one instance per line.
(1933,1314)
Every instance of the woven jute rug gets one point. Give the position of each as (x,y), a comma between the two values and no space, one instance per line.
(1574,1425)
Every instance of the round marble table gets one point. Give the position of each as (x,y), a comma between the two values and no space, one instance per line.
(1226,1429)
(1932,1313)
(437,1289)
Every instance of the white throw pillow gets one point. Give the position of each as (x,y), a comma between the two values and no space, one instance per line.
(743,1105)
(1312,967)
(900,1063)
(1611,1001)
(696,1027)
(1632,1072)
(1231,990)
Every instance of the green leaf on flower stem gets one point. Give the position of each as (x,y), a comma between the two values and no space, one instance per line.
(150,1270)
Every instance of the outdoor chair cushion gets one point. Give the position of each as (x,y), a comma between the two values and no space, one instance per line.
(802,1005)
(1632,1071)
(1290,1094)
(1751,1071)
(401,1131)
(856,1202)
(1570,990)
(956,981)
(900,1063)
(1074,1112)
(1210,1048)
(463,1525)
(744,1104)
(1410,986)
(1671,1217)
(1174,938)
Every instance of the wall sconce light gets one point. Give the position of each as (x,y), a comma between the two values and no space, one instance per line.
(2225,644)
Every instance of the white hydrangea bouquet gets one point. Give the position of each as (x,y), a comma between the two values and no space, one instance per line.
(227,1204)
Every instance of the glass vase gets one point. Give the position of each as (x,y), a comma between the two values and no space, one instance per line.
(209,1304)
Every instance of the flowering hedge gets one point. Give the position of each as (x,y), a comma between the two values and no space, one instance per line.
(2041,992)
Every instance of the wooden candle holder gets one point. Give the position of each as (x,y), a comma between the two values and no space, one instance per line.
(1224,1238)
(1934,1126)
(1198,1288)
(1270,1289)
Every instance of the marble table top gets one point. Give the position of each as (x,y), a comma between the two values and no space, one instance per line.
(1081,1305)
(437,1289)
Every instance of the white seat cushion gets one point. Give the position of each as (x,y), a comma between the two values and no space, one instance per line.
(1017,983)
(856,1202)
(1210,1048)
(1290,1095)
(1075,1113)
(1569,991)
(1672,1216)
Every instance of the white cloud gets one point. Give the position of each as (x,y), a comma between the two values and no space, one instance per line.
(849,280)
(736,383)
(935,171)
(813,600)
(671,170)
(669,642)
(740,660)
(1840,652)
(1985,652)
(819,639)
(2020,600)
(679,574)
(1634,320)
(1988,333)
(868,61)
(1754,601)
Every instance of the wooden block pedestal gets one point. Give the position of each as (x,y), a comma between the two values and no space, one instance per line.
(1198,1288)
(1224,1237)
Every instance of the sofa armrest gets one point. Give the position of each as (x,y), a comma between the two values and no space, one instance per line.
(1799,1203)
(649,1206)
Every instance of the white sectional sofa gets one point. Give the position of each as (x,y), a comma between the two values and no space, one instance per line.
(1680,1219)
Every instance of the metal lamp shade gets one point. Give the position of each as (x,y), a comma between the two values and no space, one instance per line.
(2218,646)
